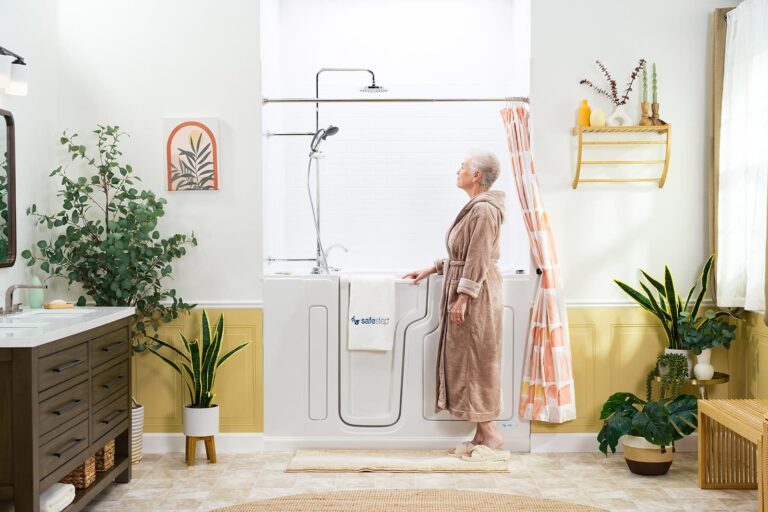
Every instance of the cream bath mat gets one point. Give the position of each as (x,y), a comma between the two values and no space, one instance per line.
(388,461)
(423,500)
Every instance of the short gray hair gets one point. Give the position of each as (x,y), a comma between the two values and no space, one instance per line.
(487,164)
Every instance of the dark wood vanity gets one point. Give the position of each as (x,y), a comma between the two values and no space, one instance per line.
(61,402)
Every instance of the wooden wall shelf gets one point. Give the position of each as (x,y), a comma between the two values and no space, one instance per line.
(579,131)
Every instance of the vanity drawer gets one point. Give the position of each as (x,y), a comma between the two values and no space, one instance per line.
(62,407)
(103,420)
(62,449)
(109,382)
(61,366)
(109,346)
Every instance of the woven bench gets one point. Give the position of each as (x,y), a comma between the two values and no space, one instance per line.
(733,446)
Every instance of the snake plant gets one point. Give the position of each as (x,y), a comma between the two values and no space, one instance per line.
(199,361)
(668,307)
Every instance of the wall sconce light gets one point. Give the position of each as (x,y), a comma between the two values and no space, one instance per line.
(13,73)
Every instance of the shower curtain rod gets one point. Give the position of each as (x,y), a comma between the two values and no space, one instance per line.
(388,100)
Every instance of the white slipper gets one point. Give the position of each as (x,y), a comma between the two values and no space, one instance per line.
(463,448)
(482,453)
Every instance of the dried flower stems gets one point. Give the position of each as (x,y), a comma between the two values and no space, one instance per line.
(613,95)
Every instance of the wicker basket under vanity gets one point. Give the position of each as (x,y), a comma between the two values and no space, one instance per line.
(83,475)
(105,458)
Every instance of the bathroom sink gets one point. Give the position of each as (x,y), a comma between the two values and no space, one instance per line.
(57,313)
(18,329)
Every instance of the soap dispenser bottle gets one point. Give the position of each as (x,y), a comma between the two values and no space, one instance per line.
(583,115)
(35,296)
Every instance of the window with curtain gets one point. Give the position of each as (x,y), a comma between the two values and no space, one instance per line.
(743,160)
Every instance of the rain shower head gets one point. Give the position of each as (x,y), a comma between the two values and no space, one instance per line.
(321,135)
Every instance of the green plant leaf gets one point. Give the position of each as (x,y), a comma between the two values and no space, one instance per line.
(683,415)
(669,285)
(653,424)
(636,295)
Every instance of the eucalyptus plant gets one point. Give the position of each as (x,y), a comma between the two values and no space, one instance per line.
(662,300)
(198,363)
(105,236)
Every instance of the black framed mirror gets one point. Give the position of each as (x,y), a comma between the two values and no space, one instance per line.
(7,191)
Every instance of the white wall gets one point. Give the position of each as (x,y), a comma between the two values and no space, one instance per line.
(134,63)
(388,178)
(605,231)
(28,28)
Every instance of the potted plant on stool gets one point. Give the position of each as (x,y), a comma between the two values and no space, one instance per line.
(197,364)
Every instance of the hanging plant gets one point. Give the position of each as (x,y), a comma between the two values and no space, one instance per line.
(676,371)
(106,237)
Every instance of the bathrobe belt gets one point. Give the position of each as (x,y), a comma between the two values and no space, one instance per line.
(458,263)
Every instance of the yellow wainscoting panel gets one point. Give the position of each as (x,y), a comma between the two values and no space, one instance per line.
(239,386)
(754,356)
(613,348)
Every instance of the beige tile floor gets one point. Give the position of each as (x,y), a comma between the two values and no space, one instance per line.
(165,483)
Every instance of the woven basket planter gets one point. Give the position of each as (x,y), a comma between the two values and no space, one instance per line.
(105,458)
(137,432)
(83,475)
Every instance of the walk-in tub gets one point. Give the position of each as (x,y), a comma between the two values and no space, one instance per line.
(319,394)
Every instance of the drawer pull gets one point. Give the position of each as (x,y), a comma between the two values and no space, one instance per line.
(70,446)
(110,348)
(113,382)
(112,418)
(71,405)
(68,365)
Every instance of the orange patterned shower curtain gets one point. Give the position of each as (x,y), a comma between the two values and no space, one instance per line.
(547,391)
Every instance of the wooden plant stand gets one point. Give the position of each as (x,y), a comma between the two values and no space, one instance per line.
(210,449)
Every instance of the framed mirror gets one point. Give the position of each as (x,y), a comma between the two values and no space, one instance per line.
(7,191)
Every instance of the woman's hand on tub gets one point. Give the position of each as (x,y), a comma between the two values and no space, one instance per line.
(459,308)
(418,275)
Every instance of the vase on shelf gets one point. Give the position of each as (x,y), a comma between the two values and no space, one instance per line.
(597,117)
(619,117)
(645,120)
(703,369)
(583,115)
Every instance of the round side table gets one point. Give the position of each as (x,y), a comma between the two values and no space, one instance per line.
(717,378)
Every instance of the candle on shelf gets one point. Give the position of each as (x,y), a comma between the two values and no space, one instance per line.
(654,83)
(645,84)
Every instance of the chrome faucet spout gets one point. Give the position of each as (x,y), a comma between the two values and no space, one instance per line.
(8,309)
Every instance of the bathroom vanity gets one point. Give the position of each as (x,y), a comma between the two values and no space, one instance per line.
(65,380)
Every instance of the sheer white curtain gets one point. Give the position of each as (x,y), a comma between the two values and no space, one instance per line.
(743,190)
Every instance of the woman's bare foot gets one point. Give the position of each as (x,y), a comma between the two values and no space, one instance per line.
(489,436)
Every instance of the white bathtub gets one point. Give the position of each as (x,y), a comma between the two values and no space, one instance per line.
(319,394)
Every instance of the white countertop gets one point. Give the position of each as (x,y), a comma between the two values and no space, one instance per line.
(35,327)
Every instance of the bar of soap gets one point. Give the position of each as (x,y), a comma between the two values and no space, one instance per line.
(58,304)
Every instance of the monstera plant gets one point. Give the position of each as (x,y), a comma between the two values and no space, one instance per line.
(106,237)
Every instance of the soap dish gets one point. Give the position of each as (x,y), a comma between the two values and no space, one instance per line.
(58,305)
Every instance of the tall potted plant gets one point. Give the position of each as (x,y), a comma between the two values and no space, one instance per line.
(680,320)
(198,364)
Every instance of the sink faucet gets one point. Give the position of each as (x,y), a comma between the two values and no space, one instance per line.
(9,308)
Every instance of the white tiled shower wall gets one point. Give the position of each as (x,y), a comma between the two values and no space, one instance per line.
(388,177)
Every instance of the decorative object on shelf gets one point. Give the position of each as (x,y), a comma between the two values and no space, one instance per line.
(584,113)
(582,143)
(83,475)
(137,431)
(105,458)
(597,117)
(673,370)
(717,378)
(192,154)
(649,429)
(13,73)
(682,352)
(645,120)
(703,369)
(619,117)
(655,121)
(200,361)
(118,259)
(35,296)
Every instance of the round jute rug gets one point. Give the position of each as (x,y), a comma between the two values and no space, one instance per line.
(422,500)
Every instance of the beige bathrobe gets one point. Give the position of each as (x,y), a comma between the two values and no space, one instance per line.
(469,355)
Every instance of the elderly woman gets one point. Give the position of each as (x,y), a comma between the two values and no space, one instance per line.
(469,355)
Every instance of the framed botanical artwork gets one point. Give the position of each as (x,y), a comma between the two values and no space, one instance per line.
(192,154)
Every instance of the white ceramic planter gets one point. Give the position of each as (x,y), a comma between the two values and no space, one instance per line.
(201,421)
(703,369)
(687,353)
(619,117)
(137,432)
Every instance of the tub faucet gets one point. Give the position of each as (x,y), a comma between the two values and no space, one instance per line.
(9,307)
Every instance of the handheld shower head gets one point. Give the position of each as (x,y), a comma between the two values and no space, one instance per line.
(321,135)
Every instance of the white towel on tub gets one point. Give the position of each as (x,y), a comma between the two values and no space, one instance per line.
(371,321)
(57,497)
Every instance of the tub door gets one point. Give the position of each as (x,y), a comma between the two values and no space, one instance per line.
(370,382)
